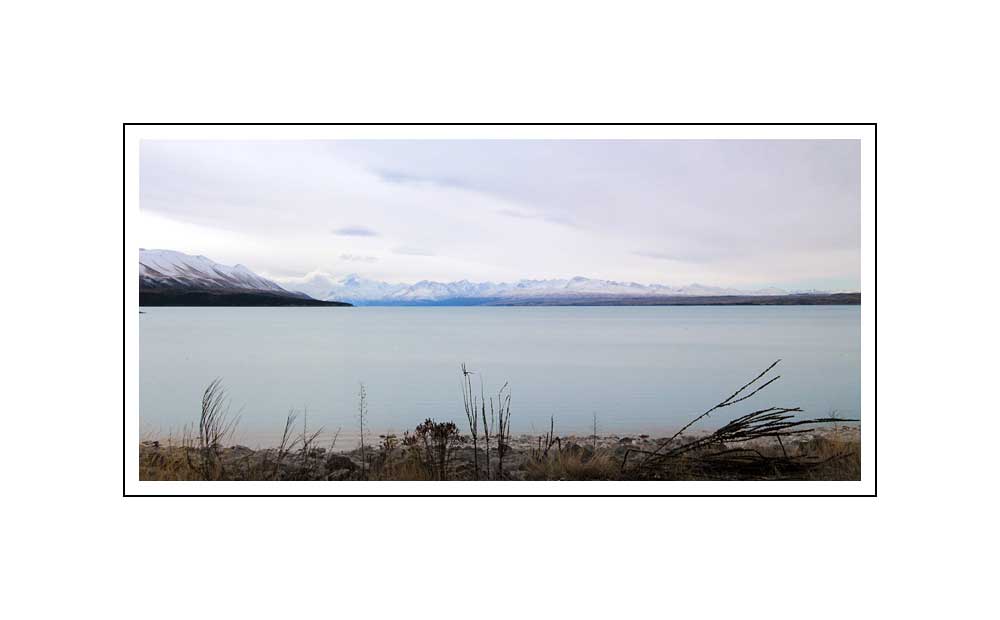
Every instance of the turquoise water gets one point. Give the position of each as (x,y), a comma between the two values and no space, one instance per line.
(639,369)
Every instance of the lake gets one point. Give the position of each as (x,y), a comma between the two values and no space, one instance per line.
(645,369)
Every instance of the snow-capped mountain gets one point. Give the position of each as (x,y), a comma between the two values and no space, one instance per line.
(350,288)
(362,291)
(169,269)
(167,273)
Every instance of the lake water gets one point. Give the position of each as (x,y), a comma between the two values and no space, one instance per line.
(640,369)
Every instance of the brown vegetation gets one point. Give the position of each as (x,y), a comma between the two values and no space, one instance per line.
(766,444)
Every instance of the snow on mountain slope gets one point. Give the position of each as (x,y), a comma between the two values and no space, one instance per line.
(352,288)
(170,269)
(315,284)
(363,289)
(359,290)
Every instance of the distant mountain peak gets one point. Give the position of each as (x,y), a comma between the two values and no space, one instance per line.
(170,269)
(359,290)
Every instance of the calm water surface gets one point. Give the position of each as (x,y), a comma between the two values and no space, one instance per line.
(640,369)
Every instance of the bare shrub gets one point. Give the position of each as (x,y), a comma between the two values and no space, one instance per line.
(438,439)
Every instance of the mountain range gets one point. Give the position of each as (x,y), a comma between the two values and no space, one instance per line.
(363,291)
(169,278)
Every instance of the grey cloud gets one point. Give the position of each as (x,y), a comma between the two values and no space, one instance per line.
(517,214)
(552,218)
(728,211)
(355,258)
(402,178)
(355,231)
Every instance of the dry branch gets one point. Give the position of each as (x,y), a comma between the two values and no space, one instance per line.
(713,453)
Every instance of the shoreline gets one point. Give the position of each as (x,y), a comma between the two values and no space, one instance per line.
(834,449)
(772,443)
(269,440)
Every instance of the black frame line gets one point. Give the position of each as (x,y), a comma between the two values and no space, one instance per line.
(126,494)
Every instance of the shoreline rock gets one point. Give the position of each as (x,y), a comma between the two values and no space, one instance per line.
(525,453)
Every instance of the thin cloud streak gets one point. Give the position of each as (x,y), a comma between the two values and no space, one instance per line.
(355,231)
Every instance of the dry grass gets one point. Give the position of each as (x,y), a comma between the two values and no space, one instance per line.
(165,463)
(746,447)
(574,465)
(575,462)
(404,464)
(767,444)
(834,456)
(841,456)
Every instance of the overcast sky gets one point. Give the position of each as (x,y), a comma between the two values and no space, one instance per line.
(749,213)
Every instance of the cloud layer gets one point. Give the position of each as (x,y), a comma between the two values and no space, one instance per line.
(728,213)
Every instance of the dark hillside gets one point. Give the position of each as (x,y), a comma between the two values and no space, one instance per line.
(182,297)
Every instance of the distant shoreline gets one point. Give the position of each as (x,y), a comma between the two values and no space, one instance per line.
(261,299)
(807,299)
(836,299)
(198,299)
(834,453)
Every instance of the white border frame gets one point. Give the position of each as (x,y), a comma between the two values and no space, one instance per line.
(133,133)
